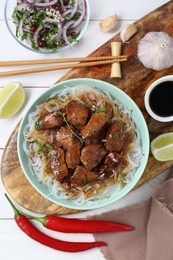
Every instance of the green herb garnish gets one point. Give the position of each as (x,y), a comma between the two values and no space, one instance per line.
(117,134)
(68,125)
(38,125)
(40,147)
(121,178)
(24,36)
(100,109)
(55,157)
(52,98)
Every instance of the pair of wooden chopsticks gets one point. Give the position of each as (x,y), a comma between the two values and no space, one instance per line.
(84,62)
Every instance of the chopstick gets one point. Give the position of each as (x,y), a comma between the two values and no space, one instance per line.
(63,60)
(61,67)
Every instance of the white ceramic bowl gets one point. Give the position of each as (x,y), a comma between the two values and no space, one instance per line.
(26,42)
(148,106)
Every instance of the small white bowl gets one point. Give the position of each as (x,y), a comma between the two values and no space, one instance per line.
(148,107)
(29,44)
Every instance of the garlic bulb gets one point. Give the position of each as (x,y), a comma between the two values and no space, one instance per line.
(127,32)
(109,23)
(155,50)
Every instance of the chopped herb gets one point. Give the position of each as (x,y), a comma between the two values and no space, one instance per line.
(117,134)
(55,157)
(17,31)
(24,36)
(49,150)
(52,98)
(38,125)
(121,178)
(40,147)
(75,35)
(49,146)
(34,46)
(17,15)
(100,109)
(49,154)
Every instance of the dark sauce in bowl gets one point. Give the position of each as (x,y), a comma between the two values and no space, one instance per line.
(161,99)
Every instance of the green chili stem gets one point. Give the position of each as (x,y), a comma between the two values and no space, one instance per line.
(42,220)
(16,212)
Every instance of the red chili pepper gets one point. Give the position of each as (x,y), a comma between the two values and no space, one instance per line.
(70,225)
(26,226)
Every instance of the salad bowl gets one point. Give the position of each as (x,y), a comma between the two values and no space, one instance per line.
(47,26)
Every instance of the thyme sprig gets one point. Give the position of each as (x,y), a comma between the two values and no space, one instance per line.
(69,127)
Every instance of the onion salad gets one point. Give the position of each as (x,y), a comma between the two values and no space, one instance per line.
(48,25)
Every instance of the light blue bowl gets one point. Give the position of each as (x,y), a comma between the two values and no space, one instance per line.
(137,118)
(8,11)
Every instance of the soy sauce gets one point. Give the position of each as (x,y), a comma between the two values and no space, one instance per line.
(161,99)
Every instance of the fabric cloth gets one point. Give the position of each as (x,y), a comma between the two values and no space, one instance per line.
(153,235)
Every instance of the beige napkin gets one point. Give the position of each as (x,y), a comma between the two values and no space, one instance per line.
(152,238)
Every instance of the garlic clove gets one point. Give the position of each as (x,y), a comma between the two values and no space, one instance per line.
(155,50)
(128,31)
(109,23)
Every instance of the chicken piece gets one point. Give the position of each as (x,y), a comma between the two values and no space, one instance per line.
(95,125)
(110,163)
(73,155)
(58,165)
(64,137)
(92,155)
(77,114)
(82,176)
(115,138)
(49,121)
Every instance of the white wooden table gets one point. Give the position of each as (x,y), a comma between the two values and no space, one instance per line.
(14,244)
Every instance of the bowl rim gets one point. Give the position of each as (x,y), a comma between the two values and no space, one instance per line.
(114,197)
(147,96)
(84,28)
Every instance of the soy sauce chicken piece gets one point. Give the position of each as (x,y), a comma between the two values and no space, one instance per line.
(92,155)
(82,176)
(95,125)
(73,155)
(77,114)
(49,121)
(64,137)
(58,164)
(115,138)
(111,163)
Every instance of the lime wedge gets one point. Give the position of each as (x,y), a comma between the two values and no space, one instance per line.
(162,147)
(12,97)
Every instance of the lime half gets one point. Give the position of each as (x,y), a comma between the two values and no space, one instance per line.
(162,147)
(12,97)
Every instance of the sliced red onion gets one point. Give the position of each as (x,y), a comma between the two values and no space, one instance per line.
(62,5)
(19,2)
(57,36)
(74,10)
(68,11)
(81,18)
(42,5)
(20,28)
(35,36)
(65,32)
(21,6)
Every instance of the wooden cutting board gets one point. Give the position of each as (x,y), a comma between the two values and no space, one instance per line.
(135,80)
